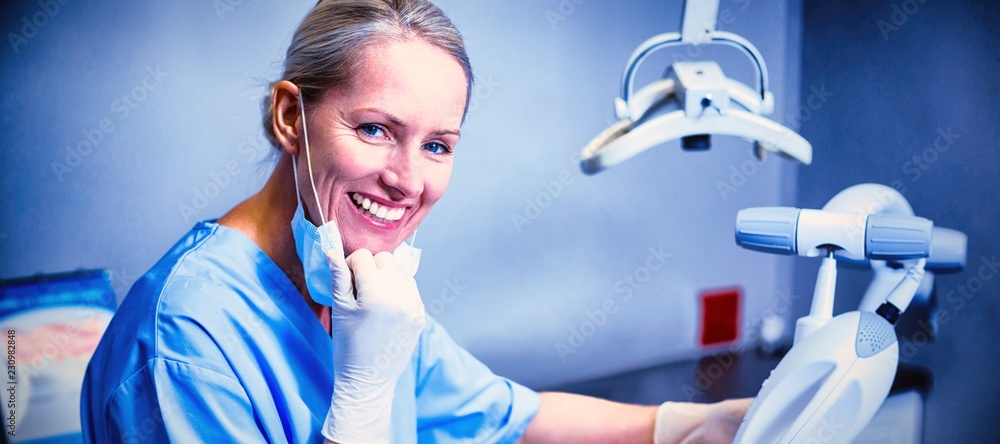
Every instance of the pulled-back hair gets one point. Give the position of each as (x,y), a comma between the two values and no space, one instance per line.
(328,48)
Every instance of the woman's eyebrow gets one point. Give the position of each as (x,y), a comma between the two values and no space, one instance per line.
(386,115)
(445,132)
(399,122)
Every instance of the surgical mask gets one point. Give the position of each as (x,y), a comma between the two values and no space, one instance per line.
(408,256)
(312,242)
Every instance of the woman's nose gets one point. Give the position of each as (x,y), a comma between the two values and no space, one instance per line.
(402,173)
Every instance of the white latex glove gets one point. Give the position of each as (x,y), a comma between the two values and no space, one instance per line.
(373,341)
(688,422)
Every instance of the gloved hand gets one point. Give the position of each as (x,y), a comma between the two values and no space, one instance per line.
(341,281)
(373,341)
(688,422)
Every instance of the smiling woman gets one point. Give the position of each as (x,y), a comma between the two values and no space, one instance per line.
(289,319)
(387,138)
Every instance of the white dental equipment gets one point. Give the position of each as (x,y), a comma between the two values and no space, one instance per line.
(708,101)
(840,369)
(948,246)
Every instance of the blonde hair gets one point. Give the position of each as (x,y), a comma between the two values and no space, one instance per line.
(329,46)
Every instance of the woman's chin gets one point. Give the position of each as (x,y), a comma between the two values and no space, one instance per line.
(374,245)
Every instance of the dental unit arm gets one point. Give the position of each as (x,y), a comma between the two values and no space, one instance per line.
(948,246)
(709,102)
(840,369)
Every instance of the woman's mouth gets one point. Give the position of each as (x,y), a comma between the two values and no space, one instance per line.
(381,213)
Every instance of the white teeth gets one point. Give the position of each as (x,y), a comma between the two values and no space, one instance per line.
(375,210)
(389,215)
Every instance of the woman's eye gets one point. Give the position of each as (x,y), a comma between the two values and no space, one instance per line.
(372,130)
(437,148)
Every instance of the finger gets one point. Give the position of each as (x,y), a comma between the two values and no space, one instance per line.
(341,280)
(739,407)
(737,404)
(334,259)
(420,303)
(361,262)
(411,295)
(384,259)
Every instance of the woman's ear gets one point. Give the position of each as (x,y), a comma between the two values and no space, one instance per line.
(286,123)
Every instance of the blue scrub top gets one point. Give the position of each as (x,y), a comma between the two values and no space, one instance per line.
(215,344)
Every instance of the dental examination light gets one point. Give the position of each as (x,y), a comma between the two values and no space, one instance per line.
(840,369)
(708,102)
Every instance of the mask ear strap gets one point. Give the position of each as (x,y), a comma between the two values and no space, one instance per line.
(305,135)
(295,174)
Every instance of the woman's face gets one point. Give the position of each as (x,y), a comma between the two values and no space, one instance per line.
(382,148)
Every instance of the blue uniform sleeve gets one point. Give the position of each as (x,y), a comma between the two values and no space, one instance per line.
(170,401)
(460,399)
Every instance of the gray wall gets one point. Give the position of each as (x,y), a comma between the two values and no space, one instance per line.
(126,122)
(901,73)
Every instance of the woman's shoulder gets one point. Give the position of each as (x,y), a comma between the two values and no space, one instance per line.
(207,291)
(211,255)
(212,252)
(212,277)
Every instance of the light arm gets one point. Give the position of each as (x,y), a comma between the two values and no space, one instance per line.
(566,417)
(621,142)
